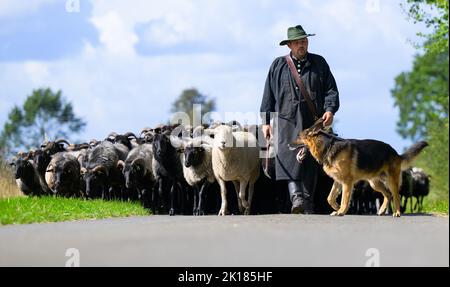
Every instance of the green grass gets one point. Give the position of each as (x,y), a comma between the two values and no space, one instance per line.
(23,210)
(435,206)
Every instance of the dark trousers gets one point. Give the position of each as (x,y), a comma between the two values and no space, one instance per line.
(301,191)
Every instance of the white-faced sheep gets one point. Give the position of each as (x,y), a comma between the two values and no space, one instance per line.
(235,157)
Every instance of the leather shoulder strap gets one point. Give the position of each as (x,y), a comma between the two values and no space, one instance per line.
(301,85)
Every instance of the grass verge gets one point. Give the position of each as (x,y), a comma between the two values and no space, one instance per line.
(436,206)
(23,210)
(431,206)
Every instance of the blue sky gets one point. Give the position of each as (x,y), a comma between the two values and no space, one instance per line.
(122,63)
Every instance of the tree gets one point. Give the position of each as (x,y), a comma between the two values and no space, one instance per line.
(422,95)
(434,13)
(187,99)
(43,114)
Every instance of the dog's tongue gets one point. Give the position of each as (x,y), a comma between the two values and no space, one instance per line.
(301,154)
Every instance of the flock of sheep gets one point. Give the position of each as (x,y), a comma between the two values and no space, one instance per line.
(176,169)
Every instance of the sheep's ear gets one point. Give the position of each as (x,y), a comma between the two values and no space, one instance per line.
(49,168)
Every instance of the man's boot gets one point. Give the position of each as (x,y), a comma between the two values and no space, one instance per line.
(301,201)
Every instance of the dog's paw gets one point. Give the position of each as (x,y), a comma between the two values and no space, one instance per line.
(382,212)
(337,213)
(396,214)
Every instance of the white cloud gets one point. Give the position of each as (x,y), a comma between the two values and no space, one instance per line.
(37,72)
(116,36)
(115,88)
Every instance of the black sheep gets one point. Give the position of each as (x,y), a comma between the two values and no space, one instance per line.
(168,170)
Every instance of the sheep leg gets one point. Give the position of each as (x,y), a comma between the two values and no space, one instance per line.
(201,198)
(416,204)
(182,194)
(155,197)
(172,200)
(242,193)
(146,198)
(404,204)
(236,189)
(162,197)
(109,194)
(195,195)
(251,188)
(223,194)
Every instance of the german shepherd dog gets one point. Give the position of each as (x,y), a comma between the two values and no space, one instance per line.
(349,160)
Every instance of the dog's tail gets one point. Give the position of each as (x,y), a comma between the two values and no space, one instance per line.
(410,154)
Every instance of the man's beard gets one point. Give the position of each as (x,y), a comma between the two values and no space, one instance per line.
(301,55)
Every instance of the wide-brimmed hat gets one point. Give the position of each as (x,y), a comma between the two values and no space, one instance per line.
(295,33)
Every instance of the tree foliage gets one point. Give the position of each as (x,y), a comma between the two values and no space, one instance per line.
(188,98)
(43,114)
(435,158)
(422,95)
(434,14)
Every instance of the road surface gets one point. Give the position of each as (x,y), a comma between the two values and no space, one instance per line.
(258,241)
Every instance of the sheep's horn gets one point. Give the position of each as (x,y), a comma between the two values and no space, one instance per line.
(234,123)
(130,134)
(112,136)
(120,164)
(100,168)
(138,161)
(58,141)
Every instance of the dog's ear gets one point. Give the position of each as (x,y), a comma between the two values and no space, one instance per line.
(317,126)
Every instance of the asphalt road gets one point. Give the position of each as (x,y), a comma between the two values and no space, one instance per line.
(269,240)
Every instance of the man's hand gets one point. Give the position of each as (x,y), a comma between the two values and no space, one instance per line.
(327,118)
(267,131)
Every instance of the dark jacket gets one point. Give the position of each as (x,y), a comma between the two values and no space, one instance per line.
(282,96)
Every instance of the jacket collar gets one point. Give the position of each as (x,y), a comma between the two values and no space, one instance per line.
(307,59)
